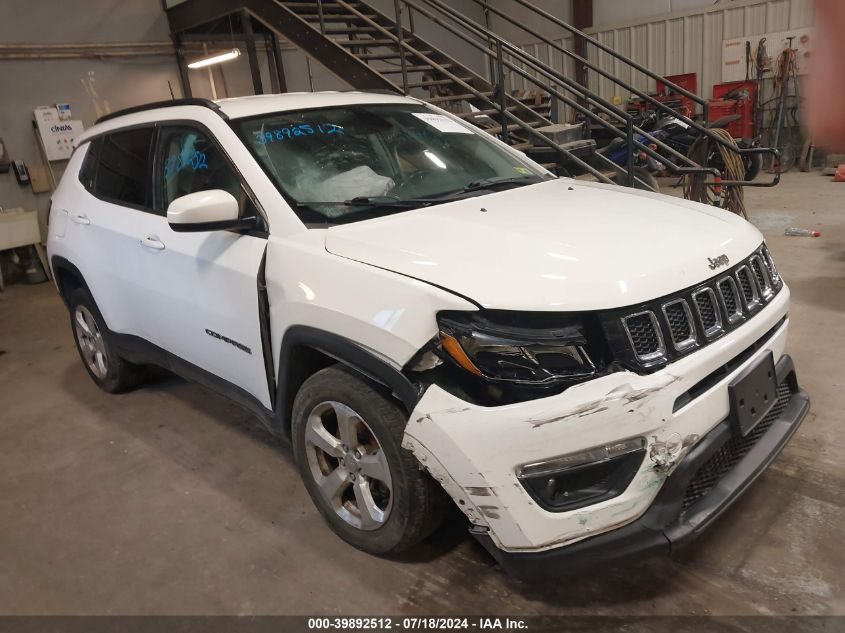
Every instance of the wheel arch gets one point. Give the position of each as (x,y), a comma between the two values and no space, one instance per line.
(306,350)
(67,277)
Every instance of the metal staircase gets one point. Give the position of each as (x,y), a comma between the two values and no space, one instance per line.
(371,50)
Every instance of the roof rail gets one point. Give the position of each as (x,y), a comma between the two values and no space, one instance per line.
(206,103)
(393,92)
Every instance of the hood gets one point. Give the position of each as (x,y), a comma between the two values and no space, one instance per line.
(562,245)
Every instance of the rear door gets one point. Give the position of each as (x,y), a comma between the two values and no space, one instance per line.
(201,289)
(103,223)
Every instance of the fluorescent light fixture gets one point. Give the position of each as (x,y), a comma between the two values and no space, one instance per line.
(215,59)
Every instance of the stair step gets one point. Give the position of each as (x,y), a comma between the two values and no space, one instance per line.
(486,127)
(310,7)
(492,131)
(584,143)
(513,127)
(356,29)
(522,146)
(366,43)
(333,17)
(374,56)
(412,69)
(480,113)
(461,97)
(434,82)
(394,55)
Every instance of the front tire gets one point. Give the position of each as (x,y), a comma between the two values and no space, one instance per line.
(347,445)
(111,373)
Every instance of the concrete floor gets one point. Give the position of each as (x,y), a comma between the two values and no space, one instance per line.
(170,500)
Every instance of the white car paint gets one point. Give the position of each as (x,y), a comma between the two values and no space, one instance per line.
(558,245)
(210,274)
(474,451)
(98,238)
(561,245)
(214,205)
(387,314)
(240,107)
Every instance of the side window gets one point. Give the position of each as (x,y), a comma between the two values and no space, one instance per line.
(188,161)
(123,169)
(88,171)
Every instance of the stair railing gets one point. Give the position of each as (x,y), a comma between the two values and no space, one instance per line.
(539,136)
(321,17)
(499,64)
(639,67)
(556,77)
(397,8)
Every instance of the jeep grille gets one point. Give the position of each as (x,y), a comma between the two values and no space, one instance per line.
(650,335)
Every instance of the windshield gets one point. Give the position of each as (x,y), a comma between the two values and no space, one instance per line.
(351,163)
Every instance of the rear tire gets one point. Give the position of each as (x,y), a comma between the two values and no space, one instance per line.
(347,444)
(109,371)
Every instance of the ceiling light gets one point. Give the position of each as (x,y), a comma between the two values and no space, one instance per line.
(215,59)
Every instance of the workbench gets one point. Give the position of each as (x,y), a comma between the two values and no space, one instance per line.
(20,228)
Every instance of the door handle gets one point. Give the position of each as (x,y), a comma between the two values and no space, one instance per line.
(152,241)
(80,219)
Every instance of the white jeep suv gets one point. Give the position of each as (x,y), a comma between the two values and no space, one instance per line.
(588,372)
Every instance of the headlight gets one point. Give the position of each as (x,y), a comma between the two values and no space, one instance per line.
(550,352)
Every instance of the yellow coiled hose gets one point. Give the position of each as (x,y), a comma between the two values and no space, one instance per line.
(727,197)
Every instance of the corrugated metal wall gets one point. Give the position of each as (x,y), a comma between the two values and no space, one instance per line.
(688,42)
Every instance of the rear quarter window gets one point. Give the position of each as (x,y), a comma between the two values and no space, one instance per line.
(88,171)
(123,167)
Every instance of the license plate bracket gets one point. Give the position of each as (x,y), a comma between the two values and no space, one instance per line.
(752,394)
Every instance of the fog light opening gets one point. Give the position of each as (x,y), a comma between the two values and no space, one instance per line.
(573,481)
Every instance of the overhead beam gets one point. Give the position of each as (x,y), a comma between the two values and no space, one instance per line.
(191,14)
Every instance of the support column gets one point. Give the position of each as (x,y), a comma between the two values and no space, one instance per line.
(254,68)
(184,79)
(276,51)
(582,18)
(271,65)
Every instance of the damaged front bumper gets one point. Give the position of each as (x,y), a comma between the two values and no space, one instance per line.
(680,487)
(720,466)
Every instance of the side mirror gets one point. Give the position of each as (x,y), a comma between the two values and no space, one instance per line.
(212,210)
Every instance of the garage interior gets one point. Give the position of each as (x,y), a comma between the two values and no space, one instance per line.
(171,500)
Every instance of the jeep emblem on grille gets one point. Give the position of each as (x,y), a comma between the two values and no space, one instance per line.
(716,262)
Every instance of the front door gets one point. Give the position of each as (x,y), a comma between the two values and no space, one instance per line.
(202,288)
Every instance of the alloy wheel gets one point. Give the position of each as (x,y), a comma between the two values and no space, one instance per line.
(349,466)
(91,341)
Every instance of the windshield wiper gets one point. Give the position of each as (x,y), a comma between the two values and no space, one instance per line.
(487,183)
(393,202)
(484,184)
(372,201)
